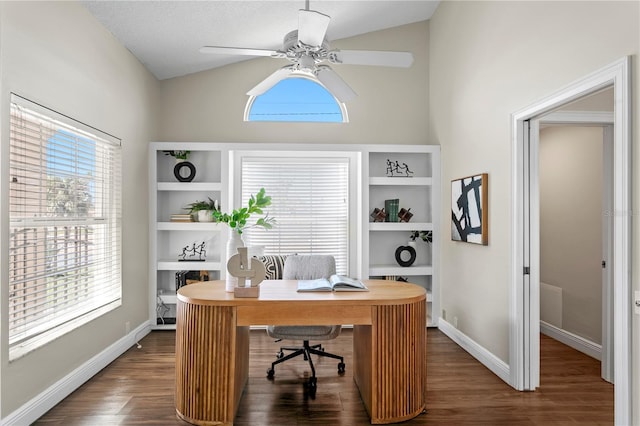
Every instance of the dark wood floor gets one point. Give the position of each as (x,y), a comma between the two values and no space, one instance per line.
(137,389)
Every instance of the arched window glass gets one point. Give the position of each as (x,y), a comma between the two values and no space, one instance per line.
(296,99)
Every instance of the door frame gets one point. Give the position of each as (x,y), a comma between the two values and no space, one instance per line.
(524,301)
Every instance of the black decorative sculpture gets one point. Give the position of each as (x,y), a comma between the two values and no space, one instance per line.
(394,169)
(192,252)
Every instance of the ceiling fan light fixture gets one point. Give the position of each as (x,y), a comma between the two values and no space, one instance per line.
(306,64)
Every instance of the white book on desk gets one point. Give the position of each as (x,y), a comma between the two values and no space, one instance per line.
(333,283)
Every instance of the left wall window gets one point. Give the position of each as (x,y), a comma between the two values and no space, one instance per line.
(65,225)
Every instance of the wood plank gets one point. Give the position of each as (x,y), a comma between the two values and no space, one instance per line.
(138,389)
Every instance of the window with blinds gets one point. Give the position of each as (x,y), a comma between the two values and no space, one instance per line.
(310,202)
(65,225)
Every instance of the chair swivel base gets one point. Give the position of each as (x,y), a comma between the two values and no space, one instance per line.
(306,350)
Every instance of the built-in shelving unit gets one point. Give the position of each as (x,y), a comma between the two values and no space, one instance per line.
(419,192)
(375,243)
(169,196)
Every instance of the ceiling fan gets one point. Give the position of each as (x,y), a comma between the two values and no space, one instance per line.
(306,48)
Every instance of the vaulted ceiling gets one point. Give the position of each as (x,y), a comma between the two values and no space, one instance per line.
(166,35)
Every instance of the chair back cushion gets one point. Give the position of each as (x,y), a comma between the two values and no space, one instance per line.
(309,267)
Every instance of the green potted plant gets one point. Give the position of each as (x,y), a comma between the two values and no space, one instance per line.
(179,155)
(238,218)
(203,209)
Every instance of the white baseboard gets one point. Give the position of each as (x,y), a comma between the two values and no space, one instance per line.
(486,358)
(39,405)
(574,341)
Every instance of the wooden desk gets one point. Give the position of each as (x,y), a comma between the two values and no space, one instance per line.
(212,344)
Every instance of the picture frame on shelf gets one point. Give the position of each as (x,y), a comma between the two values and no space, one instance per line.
(469,209)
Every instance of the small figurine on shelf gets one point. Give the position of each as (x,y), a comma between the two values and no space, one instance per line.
(378,215)
(394,169)
(405,215)
(192,252)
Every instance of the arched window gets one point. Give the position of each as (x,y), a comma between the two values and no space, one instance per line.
(297,98)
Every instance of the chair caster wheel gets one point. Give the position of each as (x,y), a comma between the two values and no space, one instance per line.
(341,368)
(312,386)
(280,355)
(270,373)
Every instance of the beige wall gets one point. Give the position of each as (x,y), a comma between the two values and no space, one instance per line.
(56,54)
(571,215)
(487,61)
(391,106)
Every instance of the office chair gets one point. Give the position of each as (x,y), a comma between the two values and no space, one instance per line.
(306,268)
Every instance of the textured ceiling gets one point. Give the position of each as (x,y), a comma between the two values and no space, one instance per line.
(166,35)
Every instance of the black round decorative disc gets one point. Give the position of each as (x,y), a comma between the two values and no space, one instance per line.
(177,171)
(400,258)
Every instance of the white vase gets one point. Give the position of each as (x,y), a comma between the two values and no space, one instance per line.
(235,241)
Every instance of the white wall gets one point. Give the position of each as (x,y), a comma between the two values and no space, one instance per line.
(487,61)
(391,106)
(571,217)
(56,54)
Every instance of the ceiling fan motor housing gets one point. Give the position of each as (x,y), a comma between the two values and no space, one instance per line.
(295,48)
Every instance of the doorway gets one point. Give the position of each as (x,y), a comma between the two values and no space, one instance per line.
(576,184)
(525,287)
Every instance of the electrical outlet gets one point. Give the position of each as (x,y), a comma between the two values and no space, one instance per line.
(455,322)
(127,327)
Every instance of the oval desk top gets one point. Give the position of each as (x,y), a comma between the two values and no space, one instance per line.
(381,292)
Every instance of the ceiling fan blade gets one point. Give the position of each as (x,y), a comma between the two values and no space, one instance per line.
(237,51)
(270,81)
(372,57)
(312,27)
(335,84)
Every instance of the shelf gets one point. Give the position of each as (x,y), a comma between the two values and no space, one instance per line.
(189,226)
(400,226)
(384,270)
(400,181)
(169,299)
(175,265)
(189,186)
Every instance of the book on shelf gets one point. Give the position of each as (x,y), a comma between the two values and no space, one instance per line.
(333,283)
(181,218)
(189,277)
(391,207)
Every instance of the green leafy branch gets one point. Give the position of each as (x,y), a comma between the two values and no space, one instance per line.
(238,218)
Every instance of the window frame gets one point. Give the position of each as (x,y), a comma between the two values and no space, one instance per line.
(107,223)
(355,201)
(252,99)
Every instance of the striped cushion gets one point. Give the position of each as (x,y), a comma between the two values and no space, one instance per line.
(273,265)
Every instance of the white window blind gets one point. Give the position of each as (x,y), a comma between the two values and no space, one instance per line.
(65,225)
(310,202)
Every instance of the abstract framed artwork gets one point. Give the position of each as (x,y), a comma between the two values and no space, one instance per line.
(469,219)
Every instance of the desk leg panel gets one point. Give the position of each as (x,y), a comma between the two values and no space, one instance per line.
(399,362)
(208,380)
